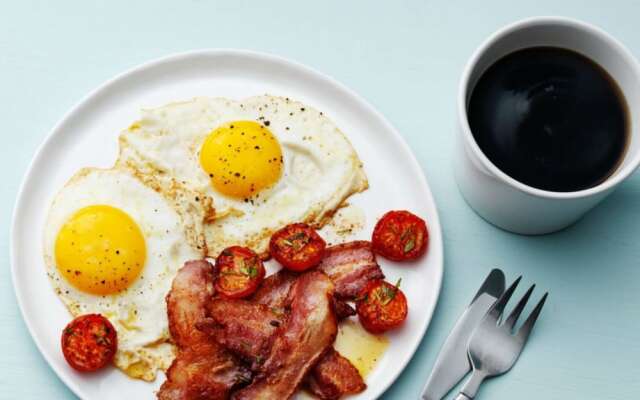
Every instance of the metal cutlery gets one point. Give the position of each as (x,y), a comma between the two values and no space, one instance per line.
(452,363)
(494,347)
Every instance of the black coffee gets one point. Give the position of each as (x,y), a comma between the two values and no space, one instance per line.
(550,118)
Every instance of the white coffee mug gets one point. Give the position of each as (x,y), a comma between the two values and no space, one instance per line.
(497,197)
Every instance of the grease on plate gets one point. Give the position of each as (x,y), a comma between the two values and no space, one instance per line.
(360,347)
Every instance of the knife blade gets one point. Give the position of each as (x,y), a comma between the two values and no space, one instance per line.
(452,363)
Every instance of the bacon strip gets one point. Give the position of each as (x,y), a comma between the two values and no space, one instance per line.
(243,327)
(202,369)
(350,266)
(343,310)
(191,290)
(274,292)
(246,328)
(333,377)
(307,334)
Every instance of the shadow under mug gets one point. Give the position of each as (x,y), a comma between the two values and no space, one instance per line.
(504,201)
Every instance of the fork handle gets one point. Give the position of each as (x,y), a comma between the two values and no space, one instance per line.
(470,388)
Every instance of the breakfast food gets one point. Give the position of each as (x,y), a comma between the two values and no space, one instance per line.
(239,272)
(248,329)
(111,247)
(89,342)
(400,236)
(351,265)
(202,369)
(283,331)
(225,344)
(262,163)
(242,181)
(333,377)
(381,306)
(297,247)
(304,337)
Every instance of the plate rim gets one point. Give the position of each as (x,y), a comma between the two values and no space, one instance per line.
(434,223)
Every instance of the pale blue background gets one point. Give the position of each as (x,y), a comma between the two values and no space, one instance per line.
(405,58)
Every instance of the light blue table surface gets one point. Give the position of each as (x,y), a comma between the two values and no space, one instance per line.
(404,57)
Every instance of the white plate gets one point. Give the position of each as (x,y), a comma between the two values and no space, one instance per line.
(86,136)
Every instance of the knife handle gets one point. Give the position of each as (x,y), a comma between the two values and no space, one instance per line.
(462,396)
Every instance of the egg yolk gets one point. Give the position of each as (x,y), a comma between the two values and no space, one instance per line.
(100,250)
(241,158)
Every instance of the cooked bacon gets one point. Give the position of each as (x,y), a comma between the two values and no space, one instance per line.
(333,377)
(274,291)
(234,323)
(245,328)
(343,310)
(202,369)
(350,266)
(191,290)
(299,343)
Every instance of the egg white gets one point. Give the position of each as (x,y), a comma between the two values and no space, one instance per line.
(321,167)
(139,312)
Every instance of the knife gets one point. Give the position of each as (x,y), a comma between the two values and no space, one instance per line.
(453,363)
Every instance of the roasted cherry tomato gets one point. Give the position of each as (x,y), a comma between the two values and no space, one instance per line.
(381,306)
(400,236)
(297,247)
(239,272)
(89,342)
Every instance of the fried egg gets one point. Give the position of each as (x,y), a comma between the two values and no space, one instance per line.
(262,162)
(112,246)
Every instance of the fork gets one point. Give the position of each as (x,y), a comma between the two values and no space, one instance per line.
(493,347)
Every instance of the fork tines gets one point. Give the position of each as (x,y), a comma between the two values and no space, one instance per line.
(498,310)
